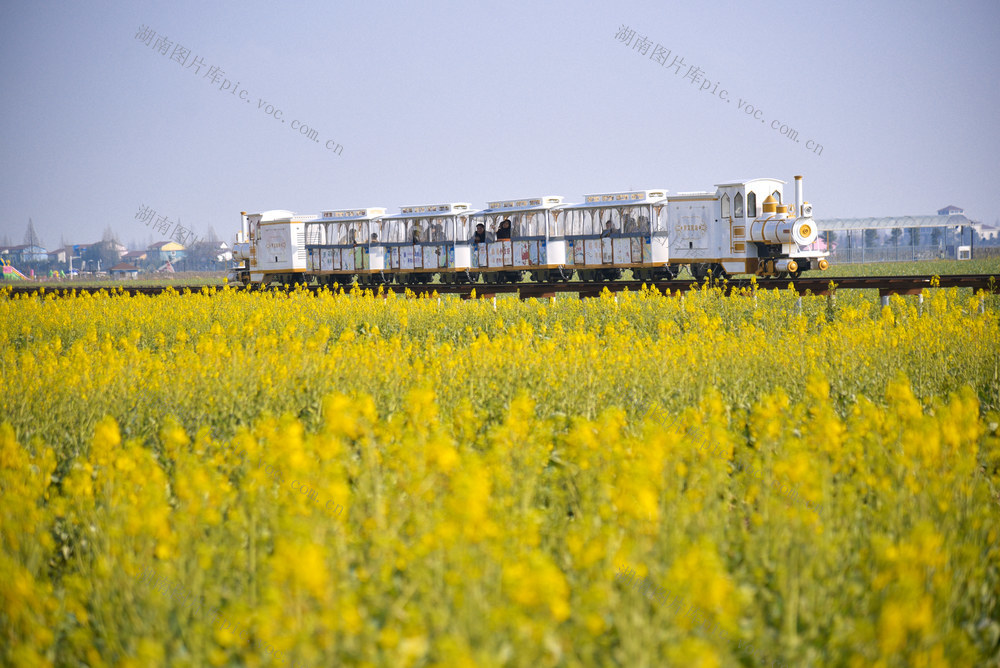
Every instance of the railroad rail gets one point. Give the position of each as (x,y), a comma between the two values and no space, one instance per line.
(819,285)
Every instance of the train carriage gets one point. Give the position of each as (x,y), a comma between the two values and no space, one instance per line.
(421,241)
(610,232)
(343,243)
(536,242)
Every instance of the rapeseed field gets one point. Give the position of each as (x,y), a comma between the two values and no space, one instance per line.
(228,478)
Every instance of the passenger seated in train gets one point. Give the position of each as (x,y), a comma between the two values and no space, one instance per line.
(374,237)
(416,234)
(352,238)
(479,236)
(631,227)
(608,229)
(643,225)
(504,231)
(437,233)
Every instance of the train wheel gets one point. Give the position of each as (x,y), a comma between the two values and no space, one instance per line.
(698,271)
(796,273)
(718,271)
(611,274)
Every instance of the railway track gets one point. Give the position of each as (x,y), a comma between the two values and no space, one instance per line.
(886,285)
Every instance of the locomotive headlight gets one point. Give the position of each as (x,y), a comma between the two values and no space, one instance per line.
(807,210)
(804,231)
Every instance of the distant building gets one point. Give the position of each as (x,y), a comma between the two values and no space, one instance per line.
(135,256)
(117,247)
(222,251)
(165,251)
(60,256)
(24,254)
(986,231)
(950,210)
(124,270)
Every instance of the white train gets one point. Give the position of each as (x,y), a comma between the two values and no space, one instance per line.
(741,227)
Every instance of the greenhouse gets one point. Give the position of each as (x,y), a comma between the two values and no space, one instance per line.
(896,239)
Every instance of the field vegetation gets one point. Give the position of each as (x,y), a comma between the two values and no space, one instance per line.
(813,485)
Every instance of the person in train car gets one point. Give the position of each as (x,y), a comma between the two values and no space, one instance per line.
(479,236)
(352,238)
(631,227)
(374,237)
(608,229)
(416,234)
(504,231)
(437,233)
(643,225)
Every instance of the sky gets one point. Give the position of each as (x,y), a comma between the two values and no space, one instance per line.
(420,103)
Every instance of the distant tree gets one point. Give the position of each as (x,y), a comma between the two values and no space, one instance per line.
(871,238)
(894,235)
(914,236)
(31,236)
(936,235)
(201,256)
(104,254)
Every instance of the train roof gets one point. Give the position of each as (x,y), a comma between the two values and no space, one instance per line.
(282,216)
(424,211)
(693,194)
(352,214)
(620,198)
(744,182)
(527,204)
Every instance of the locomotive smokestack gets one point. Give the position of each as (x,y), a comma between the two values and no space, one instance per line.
(798,195)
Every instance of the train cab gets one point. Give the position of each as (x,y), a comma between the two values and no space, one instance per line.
(421,241)
(270,248)
(518,235)
(609,232)
(343,243)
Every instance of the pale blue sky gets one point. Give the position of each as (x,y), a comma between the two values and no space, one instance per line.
(452,101)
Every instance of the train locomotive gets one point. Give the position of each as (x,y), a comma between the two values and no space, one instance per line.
(741,227)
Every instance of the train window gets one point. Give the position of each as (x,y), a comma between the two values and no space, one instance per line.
(658,223)
(725,205)
(396,231)
(738,205)
(461,228)
(435,230)
(315,234)
(556,220)
(752,204)
(777,196)
(527,225)
(518,226)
